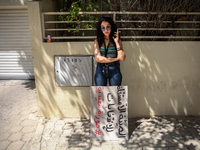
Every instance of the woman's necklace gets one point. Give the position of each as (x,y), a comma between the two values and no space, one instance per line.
(106,43)
(106,47)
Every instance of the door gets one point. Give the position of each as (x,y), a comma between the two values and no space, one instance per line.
(16,61)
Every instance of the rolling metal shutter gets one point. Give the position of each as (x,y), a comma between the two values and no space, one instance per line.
(16,61)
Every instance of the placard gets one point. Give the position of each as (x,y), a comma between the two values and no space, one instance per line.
(109,112)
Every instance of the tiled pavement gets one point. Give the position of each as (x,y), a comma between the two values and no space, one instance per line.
(22,129)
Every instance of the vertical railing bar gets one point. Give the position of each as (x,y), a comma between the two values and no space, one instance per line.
(114,16)
(43,27)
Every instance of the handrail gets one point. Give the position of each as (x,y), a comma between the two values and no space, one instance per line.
(129,37)
(135,21)
(123,12)
(171,29)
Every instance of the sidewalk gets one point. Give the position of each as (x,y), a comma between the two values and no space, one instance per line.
(22,129)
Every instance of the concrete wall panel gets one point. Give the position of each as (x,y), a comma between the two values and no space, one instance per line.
(163,78)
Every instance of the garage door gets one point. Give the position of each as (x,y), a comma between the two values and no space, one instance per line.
(16,61)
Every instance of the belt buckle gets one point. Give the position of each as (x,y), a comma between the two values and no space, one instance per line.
(106,65)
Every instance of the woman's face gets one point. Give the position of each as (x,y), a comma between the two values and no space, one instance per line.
(106,28)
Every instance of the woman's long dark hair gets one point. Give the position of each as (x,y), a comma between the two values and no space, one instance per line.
(100,35)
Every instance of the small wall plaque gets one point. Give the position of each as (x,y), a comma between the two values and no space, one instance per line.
(73,70)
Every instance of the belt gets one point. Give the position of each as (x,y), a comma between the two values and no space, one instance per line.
(110,64)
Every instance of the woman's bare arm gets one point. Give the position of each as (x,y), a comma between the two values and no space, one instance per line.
(120,53)
(102,59)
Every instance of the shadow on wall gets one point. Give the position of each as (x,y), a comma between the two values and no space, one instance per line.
(55,100)
(164,78)
(48,104)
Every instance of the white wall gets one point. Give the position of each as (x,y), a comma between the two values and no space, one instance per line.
(163,78)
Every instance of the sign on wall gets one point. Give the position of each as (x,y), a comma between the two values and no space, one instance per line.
(109,112)
(73,70)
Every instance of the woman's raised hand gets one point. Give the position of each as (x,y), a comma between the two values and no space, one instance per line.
(116,36)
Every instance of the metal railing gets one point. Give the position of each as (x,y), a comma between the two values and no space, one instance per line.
(114,14)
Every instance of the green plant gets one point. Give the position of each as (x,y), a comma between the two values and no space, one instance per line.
(75,18)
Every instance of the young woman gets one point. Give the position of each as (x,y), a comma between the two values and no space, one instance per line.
(108,53)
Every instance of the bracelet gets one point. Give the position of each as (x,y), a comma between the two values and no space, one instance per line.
(118,49)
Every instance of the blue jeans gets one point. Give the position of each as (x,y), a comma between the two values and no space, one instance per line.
(112,73)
